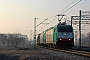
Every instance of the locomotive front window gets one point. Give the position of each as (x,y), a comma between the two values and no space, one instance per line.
(65,29)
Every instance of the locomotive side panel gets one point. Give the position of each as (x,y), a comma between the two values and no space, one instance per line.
(55,33)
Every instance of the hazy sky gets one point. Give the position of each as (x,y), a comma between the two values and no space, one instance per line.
(17,16)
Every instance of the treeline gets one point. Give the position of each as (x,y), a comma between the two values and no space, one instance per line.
(12,41)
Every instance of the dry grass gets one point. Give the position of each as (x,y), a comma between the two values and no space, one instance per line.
(28,54)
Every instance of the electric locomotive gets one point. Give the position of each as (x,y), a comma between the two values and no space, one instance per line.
(63,35)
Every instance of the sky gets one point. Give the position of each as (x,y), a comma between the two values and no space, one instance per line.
(17,16)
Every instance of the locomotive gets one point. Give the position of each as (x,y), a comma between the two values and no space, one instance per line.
(59,36)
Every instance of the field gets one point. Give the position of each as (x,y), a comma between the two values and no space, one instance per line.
(27,54)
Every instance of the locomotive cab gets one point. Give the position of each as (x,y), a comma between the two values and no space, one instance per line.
(64,36)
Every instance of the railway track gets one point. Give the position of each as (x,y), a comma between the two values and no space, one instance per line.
(75,52)
(81,53)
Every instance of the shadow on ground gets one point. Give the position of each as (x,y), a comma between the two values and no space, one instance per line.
(8,57)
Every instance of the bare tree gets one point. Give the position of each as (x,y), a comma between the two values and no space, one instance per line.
(3,40)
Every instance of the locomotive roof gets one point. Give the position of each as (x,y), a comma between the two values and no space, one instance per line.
(64,25)
(59,25)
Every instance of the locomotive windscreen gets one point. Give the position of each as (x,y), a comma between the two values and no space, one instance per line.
(65,29)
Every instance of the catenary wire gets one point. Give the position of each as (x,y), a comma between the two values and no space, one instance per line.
(67,6)
(48,23)
(65,10)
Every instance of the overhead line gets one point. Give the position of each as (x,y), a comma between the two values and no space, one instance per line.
(52,20)
(48,23)
(41,22)
(67,6)
(72,6)
(66,10)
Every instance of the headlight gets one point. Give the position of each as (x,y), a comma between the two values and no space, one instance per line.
(69,39)
(60,39)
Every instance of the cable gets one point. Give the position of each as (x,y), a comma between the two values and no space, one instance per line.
(64,11)
(67,6)
(72,6)
(48,23)
(41,22)
(52,20)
